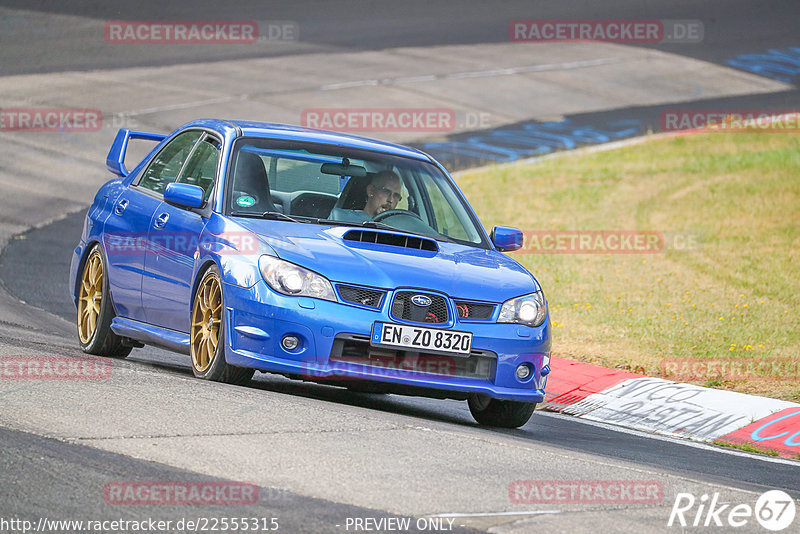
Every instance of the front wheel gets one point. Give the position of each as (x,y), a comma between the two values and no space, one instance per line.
(95,311)
(500,413)
(207,335)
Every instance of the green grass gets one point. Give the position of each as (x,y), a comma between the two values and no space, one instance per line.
(735,296)
(747,447)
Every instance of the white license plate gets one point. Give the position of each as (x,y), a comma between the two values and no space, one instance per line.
(415,337)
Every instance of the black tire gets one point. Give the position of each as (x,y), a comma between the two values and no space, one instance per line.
(93,320)
(500,413)
(206,363)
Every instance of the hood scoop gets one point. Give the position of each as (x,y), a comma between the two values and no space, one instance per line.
(394,240)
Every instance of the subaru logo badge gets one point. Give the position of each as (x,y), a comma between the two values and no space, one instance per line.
(422,301)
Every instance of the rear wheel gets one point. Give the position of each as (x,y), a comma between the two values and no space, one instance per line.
(207,334)
(95,311)
(501,413)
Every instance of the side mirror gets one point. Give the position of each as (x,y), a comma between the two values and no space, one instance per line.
(507,239)
(184,195)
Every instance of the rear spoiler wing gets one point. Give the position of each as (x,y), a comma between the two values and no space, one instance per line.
(115,162)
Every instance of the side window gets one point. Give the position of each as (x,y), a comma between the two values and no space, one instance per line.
(201,169)
(446,219)
(167,164)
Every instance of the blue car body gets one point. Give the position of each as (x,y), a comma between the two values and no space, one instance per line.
(156,252)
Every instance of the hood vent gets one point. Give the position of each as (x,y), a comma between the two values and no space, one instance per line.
(395,240)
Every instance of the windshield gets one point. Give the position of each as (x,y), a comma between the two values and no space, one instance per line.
(322,184)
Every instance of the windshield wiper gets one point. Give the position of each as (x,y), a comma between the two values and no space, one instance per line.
(333,222)
(384,226)
(269,215)
(278,216)
(368,224)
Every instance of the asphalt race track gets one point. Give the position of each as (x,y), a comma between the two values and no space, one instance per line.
(733,27)
(321,454)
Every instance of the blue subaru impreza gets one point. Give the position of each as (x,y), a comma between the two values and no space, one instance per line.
(316,255)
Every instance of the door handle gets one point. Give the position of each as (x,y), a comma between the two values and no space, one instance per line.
(121,206)
(161,220)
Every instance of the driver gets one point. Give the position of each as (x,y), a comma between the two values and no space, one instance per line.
(383,193)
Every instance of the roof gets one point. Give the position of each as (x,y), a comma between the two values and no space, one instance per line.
(311,135)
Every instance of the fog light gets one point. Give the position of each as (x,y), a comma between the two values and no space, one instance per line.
(523,371)
(290,342)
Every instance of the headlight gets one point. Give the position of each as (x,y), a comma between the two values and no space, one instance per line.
(291,279)
(529,310)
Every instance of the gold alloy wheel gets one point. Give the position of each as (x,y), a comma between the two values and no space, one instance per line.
(206,322)
(91,297)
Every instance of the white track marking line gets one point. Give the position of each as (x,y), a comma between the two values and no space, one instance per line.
(474,74)
(347,85)
(185,105)
(493,514)
(403,80)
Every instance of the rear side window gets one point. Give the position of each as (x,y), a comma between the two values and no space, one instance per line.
(167,164)
(201,169)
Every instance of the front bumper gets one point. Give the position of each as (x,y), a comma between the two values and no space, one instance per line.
(257,319)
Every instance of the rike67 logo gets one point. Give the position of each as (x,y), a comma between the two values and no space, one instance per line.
(773,510)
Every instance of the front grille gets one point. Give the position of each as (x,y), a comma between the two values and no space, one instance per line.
(356,349)
(474,310)
(404,308)
(362,296)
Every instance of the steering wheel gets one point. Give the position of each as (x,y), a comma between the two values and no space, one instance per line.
(396,213)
